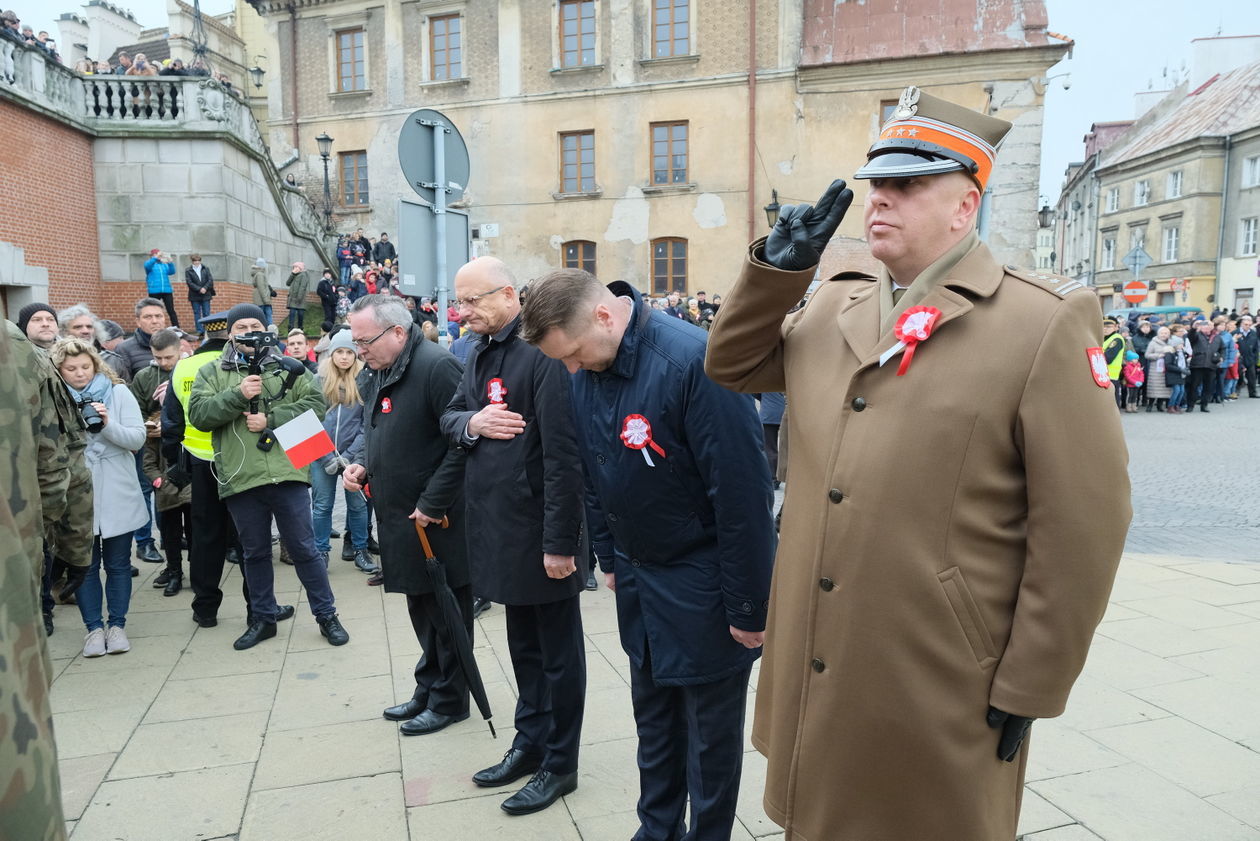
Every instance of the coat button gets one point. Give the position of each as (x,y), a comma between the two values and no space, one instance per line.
(634,562)
(858,404)
(835,496)
(818,665)
(747,607)
(600,458)
(826,584)
(612,518)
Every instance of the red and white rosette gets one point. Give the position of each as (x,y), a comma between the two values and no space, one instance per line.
(636,434)
(914,326)
(496,391)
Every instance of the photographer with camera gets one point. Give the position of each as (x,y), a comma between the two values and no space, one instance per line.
(239,399)
(115,432)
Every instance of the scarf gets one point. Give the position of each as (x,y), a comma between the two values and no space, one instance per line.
(94,392)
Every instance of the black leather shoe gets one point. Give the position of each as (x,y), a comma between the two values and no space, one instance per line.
(347,550)
(516,764)
(405,711)
(48,624)
(591,583)
(429,722)
(373,546)
(363,562)
(148,553)
(283,612)
(480,606)
(162,577)
(334,535)
(233,555)
(330,626)
(205,621)
(543,789)
(376,580)
(254,634)
(135,571)
(174,585)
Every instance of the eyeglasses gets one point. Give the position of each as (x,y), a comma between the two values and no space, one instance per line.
(472,300)
(364,343)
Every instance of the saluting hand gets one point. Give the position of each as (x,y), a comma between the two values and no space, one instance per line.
(495,421)
(559,566)
(799,238)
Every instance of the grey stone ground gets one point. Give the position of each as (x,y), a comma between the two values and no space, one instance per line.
(184,738)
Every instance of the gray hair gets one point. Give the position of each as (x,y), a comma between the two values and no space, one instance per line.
(387,310)
(148,302)
(69,314)
(107,331)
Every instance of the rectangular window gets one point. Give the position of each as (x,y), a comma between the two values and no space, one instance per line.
(1165,299)
(577,33)
(669,265)
(886,109)
(1113,199)
(1109,253)
(350,61)
(1174,185)
(354,178)
(1247,237)
(1251,171)
(669,153)
(671,28)
(445,47)
(579,254)
(1242,298)
(577,162)
(1137,237)
(1141,193)
(1172,237)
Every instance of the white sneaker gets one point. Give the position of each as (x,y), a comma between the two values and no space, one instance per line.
(94,643)
(116,641)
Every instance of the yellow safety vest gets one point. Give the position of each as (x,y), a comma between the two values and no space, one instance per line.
(1115,366)
(196,441)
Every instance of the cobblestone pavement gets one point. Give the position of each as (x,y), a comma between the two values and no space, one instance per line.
(184,739)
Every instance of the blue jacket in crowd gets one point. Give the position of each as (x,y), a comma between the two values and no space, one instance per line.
(158,275)
(691,539)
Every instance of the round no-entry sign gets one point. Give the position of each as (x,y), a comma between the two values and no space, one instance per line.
(1135,291)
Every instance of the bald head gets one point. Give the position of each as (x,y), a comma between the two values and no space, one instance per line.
(486,296)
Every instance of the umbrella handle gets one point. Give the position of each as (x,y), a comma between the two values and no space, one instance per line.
(424,537)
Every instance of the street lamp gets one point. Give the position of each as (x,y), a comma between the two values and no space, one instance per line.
(325,150)
(1045,216)
(257,72)
(772,209)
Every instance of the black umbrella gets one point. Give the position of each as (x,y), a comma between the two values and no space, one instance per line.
(454,620)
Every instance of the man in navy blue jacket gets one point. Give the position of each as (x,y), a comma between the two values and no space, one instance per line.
(679,507)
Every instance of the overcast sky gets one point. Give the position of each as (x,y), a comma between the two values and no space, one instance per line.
(1122,47)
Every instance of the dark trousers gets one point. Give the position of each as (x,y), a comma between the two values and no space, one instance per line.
(168,299)
(440,682)
(770,434)
(176,527)
(691,743)
(330,311)
(1200,387)
(1249,376)
(296,318)
(289,503)
(144,534)
(212,532)
(201,309)
(549,661)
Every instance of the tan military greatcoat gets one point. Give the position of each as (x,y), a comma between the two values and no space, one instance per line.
(949,540)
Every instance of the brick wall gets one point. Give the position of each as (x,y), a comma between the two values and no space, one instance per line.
(118,301)
(49,204)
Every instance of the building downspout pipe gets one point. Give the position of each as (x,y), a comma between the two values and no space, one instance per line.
(1220,236)
(293,76)
(752,119)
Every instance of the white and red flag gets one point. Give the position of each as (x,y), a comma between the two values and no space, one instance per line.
(304,439)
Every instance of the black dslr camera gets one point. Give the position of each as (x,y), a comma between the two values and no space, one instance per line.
(91,418)
(262,342)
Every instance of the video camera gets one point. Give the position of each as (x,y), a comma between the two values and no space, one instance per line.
(91,418)
(261,341)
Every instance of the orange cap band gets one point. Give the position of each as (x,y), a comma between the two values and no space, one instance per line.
(951,138)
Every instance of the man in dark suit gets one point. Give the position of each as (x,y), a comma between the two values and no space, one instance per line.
(1248,352)
(523,483)
(414,474)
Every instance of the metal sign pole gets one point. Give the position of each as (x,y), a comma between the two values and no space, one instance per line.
(439,210)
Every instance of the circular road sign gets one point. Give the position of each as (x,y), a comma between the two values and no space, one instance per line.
(1135,291)
(415,155)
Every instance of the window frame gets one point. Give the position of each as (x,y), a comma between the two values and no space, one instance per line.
(1108,254)
(362,198)
(669,171)
(1249,229)
(1171,235)
(431,54)
(1113,200)
(338,63)
(1174,184)
(579,186)
(587,254)
(654,24)
(670,259)
(561,53)
(1142,193)
(1251,171)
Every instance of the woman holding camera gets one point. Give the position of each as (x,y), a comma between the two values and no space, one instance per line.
(113,418)
(344,424)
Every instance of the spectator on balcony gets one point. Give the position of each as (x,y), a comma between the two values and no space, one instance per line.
(103,68)
(124,64)
(200,283)
(10,37)
(173,67)
(198,68)
(142,67)
(158,270)
(50,47)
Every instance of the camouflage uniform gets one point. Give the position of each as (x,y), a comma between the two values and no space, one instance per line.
(30,787)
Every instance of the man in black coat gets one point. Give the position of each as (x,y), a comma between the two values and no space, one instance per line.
(1248,352)
(514,417)
(1205,355)
(384,250)
(414,474)
(200,283)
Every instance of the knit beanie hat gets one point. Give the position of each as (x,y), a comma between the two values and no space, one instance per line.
(245,311)
(28,312)
(341,339)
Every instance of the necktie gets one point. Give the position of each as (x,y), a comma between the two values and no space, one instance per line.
(897,293)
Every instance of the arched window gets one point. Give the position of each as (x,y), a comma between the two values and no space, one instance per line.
(669,265)
(579,254)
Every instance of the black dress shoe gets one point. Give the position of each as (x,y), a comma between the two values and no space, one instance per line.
(591,583)
(373,546)
(543,789)
(516,764)
(347,550)
(429,722)
(148,553)
(330,627)
(405,711)
(254,634)
(48,624)
(162,577)
(205,621)
(480,606)
(135,571)
(233,555)
(376,580)
(174,585)
(334,535)
(283,612)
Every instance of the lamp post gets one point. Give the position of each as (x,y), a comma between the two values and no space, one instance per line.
(325,151)
(257,73)
(1045,217)
(772,209)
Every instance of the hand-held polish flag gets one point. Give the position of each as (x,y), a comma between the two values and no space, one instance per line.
(303,439)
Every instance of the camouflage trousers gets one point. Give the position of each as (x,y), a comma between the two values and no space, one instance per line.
(68,531)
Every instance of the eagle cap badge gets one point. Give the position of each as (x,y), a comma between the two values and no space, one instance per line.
(908,105)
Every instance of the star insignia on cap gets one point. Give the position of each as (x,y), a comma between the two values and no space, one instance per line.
(913,132)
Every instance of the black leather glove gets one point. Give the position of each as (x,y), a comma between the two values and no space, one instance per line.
(799,237)
(1014,729)
(74,578)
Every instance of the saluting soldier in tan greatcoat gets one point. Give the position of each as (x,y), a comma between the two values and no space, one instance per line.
(957,498)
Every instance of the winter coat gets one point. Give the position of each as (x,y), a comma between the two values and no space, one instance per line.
(690,536)
(411,464)
(1229,349)
(1248,348)
(206,281)
(1205,351)
(327,292)
(525,492)
(383,251)
(299,284)
(940,553)
(144,383)
(357,288)
(262,289)
(135,352)
(117,503)
(167,495)
(1157,385)
(157,276)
